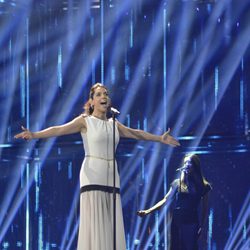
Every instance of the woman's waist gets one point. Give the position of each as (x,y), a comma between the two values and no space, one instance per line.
(185,215)
(108,158)
(98,187)
(186,210)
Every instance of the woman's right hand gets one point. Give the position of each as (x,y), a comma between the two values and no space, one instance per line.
(26,134)
(142,213)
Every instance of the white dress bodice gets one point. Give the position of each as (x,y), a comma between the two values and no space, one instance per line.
(97,167)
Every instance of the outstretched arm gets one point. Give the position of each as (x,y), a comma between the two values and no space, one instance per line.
(158,205)
(74,126)
(138,134)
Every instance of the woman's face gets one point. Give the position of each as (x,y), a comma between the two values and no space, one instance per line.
(188,165)
(101,100)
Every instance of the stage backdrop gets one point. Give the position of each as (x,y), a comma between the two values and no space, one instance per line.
(173,64)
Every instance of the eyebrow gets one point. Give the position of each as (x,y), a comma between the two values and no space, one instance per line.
(99,91)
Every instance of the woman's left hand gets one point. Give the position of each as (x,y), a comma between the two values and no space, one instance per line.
(168,139)
(26,134)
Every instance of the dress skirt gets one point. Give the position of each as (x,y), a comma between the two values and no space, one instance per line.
(96,222)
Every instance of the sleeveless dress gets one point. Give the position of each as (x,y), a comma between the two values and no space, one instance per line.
(96,182)
(185,218)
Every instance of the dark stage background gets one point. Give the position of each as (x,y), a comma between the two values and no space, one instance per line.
(178,64)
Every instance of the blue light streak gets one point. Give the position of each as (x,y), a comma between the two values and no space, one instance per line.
(5,145)
(70,170)
(40,232)
(230,218)
(9,134)
(70,220)
(113,74)
(131,37)
(157,234)
(242,64)
(27,77)
(245,232)
(10,47)
(59,165)
(37,189)
(209,8)
(59,67)
(22,177)
(92,26)
(27,233)
(127,72)
(194,46)
(102,2)
(164,68)
(72,237)
(242,100)
(128,120)
(22,90)
(143,169)
(165,186)
(138,125)
(145,124)
(93,71)
(128,241)
(216,87)
(210,228)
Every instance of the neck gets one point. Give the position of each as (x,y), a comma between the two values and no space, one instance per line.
(100,115)
(185,179)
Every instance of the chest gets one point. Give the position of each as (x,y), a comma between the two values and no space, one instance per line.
(101,132)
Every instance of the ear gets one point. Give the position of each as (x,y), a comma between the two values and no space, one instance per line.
(91,102)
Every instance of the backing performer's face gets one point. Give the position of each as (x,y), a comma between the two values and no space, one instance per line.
(188,165)
(101,100)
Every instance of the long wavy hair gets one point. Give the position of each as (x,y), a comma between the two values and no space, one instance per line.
(88,109)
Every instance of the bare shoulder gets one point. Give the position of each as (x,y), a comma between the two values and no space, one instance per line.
(122,128)
(120,125)
(80,120)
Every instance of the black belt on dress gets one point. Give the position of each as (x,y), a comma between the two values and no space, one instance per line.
(102,188)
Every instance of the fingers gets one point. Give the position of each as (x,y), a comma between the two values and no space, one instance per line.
(24,135)
(174,142)
(167,132)
(168,139)
(140,213)
(24,129)
(171,141)
(20,135)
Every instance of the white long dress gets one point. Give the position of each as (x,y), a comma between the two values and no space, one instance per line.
(96,181)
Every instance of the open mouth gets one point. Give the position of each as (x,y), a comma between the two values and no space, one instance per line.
(104,103)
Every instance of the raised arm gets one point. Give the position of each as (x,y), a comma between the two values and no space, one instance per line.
(138,134)
(159,204)
(74,126)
